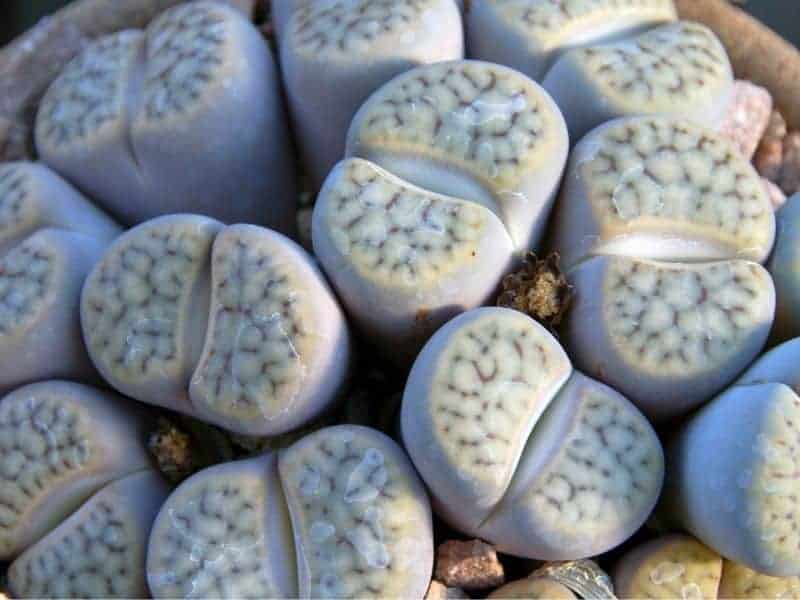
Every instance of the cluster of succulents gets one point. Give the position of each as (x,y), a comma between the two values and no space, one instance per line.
(640,422)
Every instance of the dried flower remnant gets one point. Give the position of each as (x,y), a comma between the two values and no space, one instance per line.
(539,289)
(172,449)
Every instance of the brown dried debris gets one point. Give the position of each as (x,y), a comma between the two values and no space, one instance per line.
(182,446)
(172,449)
(539,289)
(468,565)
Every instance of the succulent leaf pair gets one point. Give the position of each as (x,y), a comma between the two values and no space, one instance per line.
(604,59)
(232,325)
(78,496)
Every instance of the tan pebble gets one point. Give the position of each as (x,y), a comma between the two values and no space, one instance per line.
(747,117)
(470,565)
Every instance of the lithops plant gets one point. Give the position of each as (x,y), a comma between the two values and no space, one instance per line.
(741,499)
(662,224)
(518,449)
(405,260)
(669,335)
(452,172)
(97,552)
(739,582)
(671,566)
(472,130)
(232,325)
(679,69)
(184,116)
(59,443)
(50,236)
(784,266)
(335,53)
(339,514)
(533,588)
(530,35)
(661,188)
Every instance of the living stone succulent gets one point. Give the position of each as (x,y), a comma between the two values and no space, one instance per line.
(670,566)
(403,259)
(669,335)
(529,35)
(452,171)
(741,499)
(661,225)
(472,130)
(784,266)
(678,69)
(99,551)
(739,582)
(335,53)
(60,442)
(281,11)
(339,514)
(678,566)
(232,325)
(533,588)
(50,236)
(518,449)
(185,116)
(661,188)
